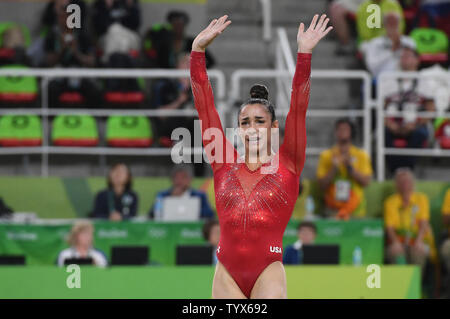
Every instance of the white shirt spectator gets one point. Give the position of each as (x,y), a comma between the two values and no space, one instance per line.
(380,57)
(436,87)
(97,256)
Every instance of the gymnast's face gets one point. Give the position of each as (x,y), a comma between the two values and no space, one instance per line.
(255,124)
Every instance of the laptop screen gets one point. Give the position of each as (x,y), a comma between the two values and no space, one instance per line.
(181,208)
(79,261)
(130,255)
(195,255)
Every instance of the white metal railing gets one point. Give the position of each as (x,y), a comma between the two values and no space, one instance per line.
(364,113)
(267,19)
(382,150)
(44,111)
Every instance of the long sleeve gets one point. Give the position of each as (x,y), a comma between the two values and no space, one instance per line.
(294,143)
(218,149)
(100,206)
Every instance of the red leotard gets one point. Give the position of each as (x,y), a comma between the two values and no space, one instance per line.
(254,208)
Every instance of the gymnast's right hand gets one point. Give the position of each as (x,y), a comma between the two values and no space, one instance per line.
(207,36)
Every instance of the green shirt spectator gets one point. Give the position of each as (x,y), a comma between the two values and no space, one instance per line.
(363,15)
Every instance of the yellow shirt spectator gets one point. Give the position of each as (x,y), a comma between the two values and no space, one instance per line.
(360,162)
(446,204)
(405,220)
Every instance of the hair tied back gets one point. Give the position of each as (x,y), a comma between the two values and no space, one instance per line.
(259,91)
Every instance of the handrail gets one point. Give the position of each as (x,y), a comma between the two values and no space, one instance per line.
(115,73)
(99,112)
(286,50)
(48,74)
(382,150)
(267,19)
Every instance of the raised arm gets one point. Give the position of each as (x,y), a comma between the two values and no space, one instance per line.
(293,149)
(212,131)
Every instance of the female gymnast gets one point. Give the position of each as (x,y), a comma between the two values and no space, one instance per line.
(254,207)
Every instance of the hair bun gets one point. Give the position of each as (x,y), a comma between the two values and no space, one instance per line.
(259,91)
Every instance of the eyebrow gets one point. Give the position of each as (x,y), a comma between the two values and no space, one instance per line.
(256,117)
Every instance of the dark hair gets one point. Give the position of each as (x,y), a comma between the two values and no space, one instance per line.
(207,226)
(172,15)
(307,225)
(349,123)
(129,182)
(259,94)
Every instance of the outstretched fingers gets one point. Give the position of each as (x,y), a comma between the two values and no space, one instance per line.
(327,30)
(324,25)
(224,26)
(313,22)
(320,23)
(222,23)
(213,22)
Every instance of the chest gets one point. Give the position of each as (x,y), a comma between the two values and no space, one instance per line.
(240,190)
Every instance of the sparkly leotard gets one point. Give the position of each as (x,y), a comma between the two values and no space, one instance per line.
(253,207)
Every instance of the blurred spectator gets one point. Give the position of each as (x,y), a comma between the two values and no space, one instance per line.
(13,46)
(445,247)
(181,187)
(163,43)
(108,12)
(405,95)
(116,24)
(81,239)
(343,171)
(118,201)
(211,233)
(366,18)
(293,254)
(68,47)
(340,10)
(406,218)
(437,14)
(383,53)
(172,94)
(5,211)
(65,47)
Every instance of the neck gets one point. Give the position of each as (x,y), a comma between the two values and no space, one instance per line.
(406,196)
(82,250)
(118,189)
(344,145)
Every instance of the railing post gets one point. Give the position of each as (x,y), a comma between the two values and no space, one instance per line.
(267,19)
(45,125)
(380,131)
